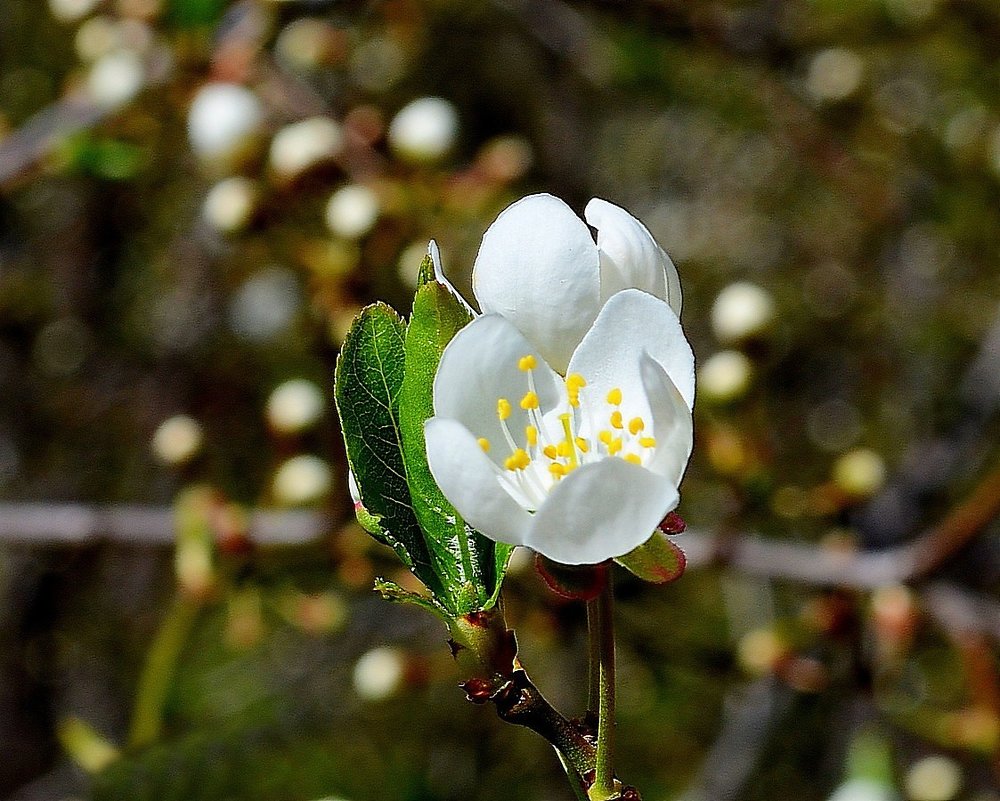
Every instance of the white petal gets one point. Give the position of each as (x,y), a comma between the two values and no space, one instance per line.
(539,267)
(633,322)
(630,257)
(479,366)
(435,253)
(600,511)
(672,425)
(469,481)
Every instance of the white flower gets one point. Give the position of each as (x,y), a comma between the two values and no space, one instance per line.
(424,130)
(580,468)
(539,267)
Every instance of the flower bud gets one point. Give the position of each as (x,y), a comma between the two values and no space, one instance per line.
(352,211)
(424,130)
(742,311)
(298,147)
(302,480)
(223,121)
(379,673)
(295,406)
(229,205)
(725,376)
(177,440)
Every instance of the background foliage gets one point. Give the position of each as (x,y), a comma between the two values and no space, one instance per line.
(842,155)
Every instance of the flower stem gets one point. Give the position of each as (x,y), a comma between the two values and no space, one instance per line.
(605,786)
(158,672)
(594,657)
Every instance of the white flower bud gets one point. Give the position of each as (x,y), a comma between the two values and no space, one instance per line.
(934,778)
(424,130)
(302,145)
(71,10)
(860,473)
(295,406)
(378,674)
(741,311)
(862,789)
(115,78)
(302,480)
(352,211)
(834,74)
(229,205)
(725,376)
(223,120)
(177,440)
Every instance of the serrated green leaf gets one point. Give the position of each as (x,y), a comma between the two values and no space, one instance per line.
(657,560)
(368,382)
(391,591)
(466,561)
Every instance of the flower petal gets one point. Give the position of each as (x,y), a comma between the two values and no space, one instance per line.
(672,424)
(469,481)
(600,511)
(480,366)
(630,257)
(538,266)
(435,253)
(633,322)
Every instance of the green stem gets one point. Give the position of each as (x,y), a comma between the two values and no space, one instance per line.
(604,787)
(575,780)
(158,672)
(594,657)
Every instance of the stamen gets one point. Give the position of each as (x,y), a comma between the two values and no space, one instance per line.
(635,425)
(503,408)
(484,444)
(647,442)
(550,451)
(615,396)
(557,470)
(531,434)
(616,419)
(632,458)
(526,363)
(614,446)
(582,445)
(570,449)
(530,400)
(605,437)
(574,382)
(518,460)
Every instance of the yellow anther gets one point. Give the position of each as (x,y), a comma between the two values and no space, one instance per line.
(557,469)
(484,444)
(616,419)
(614,446)
(574,381)
(503,408)
(564,449)
(531,434)
(550,451)
(605,437)
(526,363)
(631,457)
(647,442)
(518,460)
(615,396)
(635,425)
(582,445)
(529,401)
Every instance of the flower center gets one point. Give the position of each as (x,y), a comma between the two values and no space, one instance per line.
(556,442)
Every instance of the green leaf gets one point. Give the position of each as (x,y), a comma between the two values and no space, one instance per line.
(368,381)
(391,591)
(470,566)
(657,560)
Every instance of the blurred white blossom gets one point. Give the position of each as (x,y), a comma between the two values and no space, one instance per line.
(741,310)
(303,479)
(302,145)
(424,130)
(223,121)
(177,440)
(295,406)
(352,211)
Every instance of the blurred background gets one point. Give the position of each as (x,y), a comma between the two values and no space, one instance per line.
(196,196)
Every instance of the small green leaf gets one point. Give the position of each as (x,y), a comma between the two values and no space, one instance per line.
(657,560)
(368,381)
(467,562)
(391,591)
